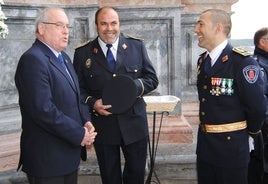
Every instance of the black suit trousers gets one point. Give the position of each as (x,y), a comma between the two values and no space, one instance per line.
(211,174)
(65,179)
(109,160)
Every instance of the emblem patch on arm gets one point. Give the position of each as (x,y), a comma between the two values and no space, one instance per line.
(251,73)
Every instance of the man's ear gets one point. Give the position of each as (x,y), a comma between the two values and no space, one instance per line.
(262,42)
(40,28)
(219,27)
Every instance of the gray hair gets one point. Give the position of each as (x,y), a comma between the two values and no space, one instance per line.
(43,16)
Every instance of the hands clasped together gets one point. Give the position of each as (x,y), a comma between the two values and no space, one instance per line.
(90,134)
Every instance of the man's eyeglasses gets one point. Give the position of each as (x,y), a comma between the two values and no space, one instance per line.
(264,38)
(59,25)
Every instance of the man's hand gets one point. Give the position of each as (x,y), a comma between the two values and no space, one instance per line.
(101,109)
(90,134)
(89,126)
(258,145)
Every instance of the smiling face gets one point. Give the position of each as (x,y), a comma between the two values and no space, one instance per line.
(206,31)
(107,24)
(54,29)
(212,28)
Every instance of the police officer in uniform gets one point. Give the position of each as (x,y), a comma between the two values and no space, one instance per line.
(126,129)
(232,103)
(258,166)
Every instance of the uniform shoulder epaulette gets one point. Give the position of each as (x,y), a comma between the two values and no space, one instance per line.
(132,37)
(242,51)
(82,44)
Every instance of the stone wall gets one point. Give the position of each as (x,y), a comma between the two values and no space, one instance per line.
(190,5)
(167,29)
(157,26)
(165,25)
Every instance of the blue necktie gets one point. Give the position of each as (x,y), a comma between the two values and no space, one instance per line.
(61,60)
(110,57)
(208,64)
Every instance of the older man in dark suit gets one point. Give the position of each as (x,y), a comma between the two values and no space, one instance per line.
(54,123)
(118,124)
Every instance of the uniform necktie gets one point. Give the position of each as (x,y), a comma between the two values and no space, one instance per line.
(110,57)
(208,64)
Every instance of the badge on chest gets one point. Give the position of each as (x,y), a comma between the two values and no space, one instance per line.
(221,86)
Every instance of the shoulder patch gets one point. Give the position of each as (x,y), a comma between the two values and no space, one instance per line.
(251,73)
(82,44)
(132,37)
(242,51)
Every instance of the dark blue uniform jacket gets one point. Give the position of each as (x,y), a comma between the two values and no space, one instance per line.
(93,72)
(231,92)
(262,58)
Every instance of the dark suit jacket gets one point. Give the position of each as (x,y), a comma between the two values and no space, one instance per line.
(52,116)
(244,102)
(93,71)
(262,59)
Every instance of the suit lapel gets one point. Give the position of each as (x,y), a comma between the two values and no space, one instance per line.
(72,81)
(54,61)
(121,52)
(62,71)
(98,55)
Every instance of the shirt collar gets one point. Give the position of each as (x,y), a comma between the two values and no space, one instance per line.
(216,52)
(113,48)
(53,50)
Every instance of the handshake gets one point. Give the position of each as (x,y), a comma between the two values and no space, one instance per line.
(90,134)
